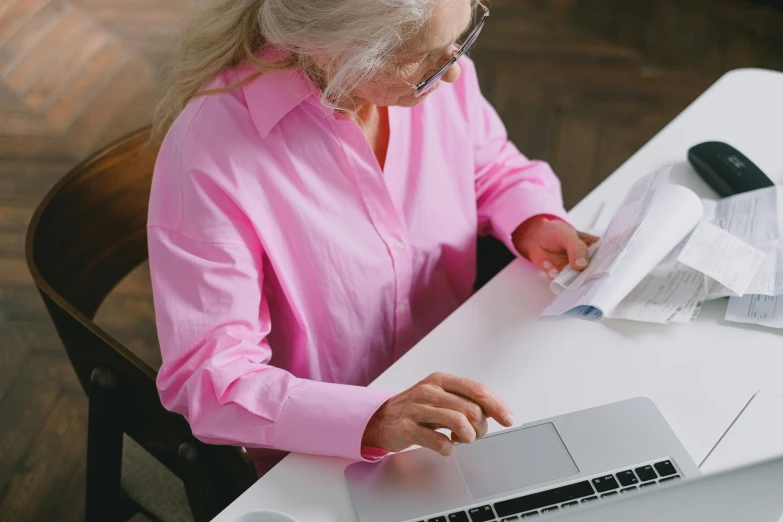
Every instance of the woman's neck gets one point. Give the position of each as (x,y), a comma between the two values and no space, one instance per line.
(374,121)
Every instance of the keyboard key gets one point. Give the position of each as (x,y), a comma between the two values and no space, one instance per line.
(589,499)
(647,484)
(646,473)
(459,517)
(529,515)
(665,468)
(569,505)
(605,483)
(509,519)
(627,478)
(609,494)
(675,477)
(627,490)
(550,509)
(437,519)
(543,498)
(482,514)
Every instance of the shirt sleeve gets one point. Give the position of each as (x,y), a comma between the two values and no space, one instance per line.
(509,187)
(213,321)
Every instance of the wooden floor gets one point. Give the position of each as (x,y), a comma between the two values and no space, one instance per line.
(580,83)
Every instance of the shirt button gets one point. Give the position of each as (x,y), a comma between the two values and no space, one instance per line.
(403,309)
(399,246)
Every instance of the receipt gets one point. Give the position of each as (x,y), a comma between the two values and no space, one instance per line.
(671,293)
(757,218)
(666,295)
(621,231)
(722,256)
(568,275)
(756,309)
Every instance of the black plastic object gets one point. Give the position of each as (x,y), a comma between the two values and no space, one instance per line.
(725,169)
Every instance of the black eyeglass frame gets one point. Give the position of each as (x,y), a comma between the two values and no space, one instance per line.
(422,87)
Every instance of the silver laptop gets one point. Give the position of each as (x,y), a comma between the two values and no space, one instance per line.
(748,494)
(548,466)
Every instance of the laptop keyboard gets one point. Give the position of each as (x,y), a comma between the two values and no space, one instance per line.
(568,496)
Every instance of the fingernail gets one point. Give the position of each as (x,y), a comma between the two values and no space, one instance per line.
(548,265)
(509,421)
(581,262)
(553,273)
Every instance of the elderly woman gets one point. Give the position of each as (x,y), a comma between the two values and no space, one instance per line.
(326,169)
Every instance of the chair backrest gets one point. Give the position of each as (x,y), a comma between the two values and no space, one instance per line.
(84,238)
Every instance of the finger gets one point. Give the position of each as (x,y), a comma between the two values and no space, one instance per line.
(436,441)
(578,257)
(478,393)
(551,263)
(449,419)
(471,410)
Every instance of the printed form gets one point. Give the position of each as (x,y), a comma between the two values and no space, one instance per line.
(756,309)
(652,220)
(665,252)
(756,218)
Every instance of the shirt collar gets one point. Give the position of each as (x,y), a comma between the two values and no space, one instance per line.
(275,93)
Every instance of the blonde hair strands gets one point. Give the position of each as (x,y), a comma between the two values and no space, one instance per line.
(357,36)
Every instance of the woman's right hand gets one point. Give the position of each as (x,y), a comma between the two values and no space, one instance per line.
(439,401)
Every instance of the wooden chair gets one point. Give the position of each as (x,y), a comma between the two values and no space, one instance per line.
(85,237)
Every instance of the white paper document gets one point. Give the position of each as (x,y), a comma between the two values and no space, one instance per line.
(756,434)
(756,309)
(722,256)
(666,252)
(664,296)
(652,220)
(757,219)
(568,275)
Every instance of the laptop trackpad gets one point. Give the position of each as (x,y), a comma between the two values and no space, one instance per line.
(513,460)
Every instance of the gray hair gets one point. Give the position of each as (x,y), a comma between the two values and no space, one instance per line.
(357,36)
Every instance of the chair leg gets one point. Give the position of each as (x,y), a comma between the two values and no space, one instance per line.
(104,450)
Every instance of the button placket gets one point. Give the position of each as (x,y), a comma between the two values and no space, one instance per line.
(385,218)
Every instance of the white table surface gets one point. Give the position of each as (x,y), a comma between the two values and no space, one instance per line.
(699,375)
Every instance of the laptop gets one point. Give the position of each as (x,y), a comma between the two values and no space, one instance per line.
(749,494)
(553,465)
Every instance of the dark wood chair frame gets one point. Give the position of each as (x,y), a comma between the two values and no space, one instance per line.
(87,234)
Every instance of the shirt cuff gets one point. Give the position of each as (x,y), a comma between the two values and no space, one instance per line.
(371,454)
(328,419)
(520,204)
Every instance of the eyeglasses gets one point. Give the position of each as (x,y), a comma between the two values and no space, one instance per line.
(424,86)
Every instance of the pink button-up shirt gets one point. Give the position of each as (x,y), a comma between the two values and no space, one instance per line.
(289,270)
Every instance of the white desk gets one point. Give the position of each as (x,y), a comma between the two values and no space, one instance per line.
(699,375)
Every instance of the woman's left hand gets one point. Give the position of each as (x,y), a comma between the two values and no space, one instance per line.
(551,244)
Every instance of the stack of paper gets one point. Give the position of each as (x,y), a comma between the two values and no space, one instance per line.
(756,309)
(757,218)
(666,251)
(652,220)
